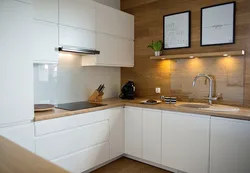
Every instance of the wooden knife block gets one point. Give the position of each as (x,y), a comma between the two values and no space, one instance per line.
(96,96)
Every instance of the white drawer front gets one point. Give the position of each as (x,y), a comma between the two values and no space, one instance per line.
(86,159)
(58,124)
(65,142)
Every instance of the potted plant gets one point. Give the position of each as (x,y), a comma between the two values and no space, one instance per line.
(156,46)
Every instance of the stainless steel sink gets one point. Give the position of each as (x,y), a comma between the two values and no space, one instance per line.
(203,106)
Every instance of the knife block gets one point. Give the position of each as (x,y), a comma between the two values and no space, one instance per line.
(96,96)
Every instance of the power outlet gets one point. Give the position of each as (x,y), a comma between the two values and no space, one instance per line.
(157,90)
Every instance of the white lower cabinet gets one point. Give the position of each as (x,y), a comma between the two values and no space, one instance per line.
(230,142)
(152,135)
(22,135)
(81,142)
(117,132)
(185,142)
(65,142)
(133,131)
(86,159)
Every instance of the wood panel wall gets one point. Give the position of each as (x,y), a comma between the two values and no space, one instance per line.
(148,74)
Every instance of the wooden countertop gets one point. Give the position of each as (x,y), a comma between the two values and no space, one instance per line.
(15,159)
(242,114)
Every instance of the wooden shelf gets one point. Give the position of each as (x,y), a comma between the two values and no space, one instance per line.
(200,55)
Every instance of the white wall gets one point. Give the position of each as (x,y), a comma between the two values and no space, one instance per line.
(70,82)
(111,3)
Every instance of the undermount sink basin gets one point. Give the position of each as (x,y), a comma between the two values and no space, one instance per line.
(203,106)
(193,105)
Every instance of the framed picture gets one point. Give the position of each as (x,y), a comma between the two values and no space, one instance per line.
(177,30)
(218,24)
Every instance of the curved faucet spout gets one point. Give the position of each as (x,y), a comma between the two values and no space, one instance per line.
(210,97)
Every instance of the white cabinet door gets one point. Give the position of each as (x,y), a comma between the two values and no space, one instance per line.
(45,41)
(77,13)
(46,10)
(115,22)
(230,141)
(185,142)
(85,159)
(152,135)
(73,37)
(133,131)
(22,135)
(16,72)
(114,51)
(65,142)
(117,133)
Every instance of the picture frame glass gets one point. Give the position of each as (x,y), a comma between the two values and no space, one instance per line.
(176,30)
(218,24)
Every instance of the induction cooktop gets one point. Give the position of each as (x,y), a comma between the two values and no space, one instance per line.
(78,106)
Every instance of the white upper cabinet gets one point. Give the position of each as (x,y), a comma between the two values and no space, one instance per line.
(133,131)
(152,135)
(46,10)
(114,22)
(230,141)
(16,73)
(77,13)
(185,142)
(45,41)
(117,132)
(22,135)
(114,51)
(74,37)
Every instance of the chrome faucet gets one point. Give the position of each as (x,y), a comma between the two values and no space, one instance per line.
(210,97)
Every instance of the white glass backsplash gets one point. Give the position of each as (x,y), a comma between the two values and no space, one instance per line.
(68,81)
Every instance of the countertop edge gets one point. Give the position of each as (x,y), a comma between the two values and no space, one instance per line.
(162,107)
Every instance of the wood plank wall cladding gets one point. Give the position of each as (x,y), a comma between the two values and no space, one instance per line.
(175,77)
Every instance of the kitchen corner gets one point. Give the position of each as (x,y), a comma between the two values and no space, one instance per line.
(122,86)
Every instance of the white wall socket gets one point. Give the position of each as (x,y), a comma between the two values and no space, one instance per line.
(158,90)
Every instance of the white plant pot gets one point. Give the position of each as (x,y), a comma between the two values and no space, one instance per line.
(157,53)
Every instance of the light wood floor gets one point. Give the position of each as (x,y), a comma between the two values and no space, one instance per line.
(125,165)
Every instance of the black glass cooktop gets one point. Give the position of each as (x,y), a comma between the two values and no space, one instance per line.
(78,106)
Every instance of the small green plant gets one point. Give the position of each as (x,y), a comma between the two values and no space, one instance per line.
(156,46)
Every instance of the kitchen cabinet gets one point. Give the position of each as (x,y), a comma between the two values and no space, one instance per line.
(152,135)
(45,42)
(230,141)
(22,135)
(75,37)
(114,51)
(133,131)
(70,122)
(65,142)
(46,10)
(114,22)
(185,141)
(16,73)
(117,132)
(77,13)
(85,159)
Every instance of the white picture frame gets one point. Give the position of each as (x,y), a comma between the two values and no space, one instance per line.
(218,24)
(177,30)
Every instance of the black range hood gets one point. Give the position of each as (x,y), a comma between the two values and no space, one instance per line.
(78,50)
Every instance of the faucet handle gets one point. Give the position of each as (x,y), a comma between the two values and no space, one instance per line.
(210,98)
